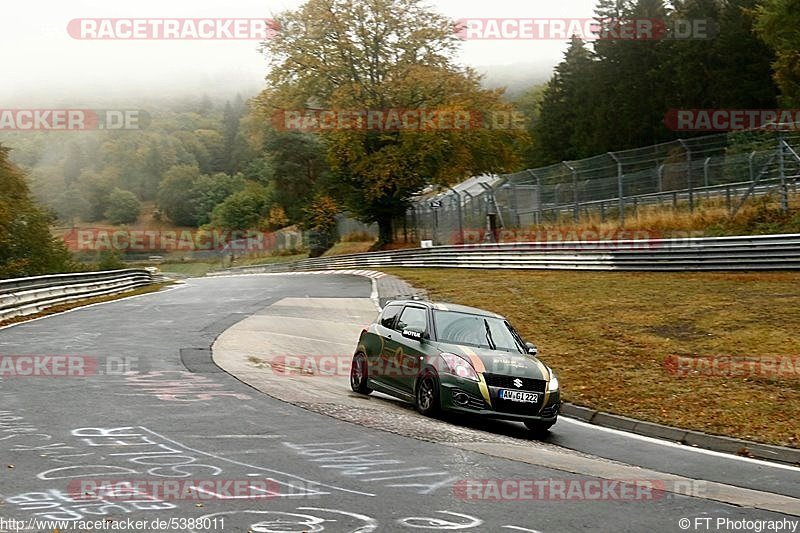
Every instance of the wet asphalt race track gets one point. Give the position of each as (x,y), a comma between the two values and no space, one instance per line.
(154,410)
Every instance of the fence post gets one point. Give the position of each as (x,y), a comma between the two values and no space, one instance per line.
(660,174)
(576,209)
(471,200)
(782,175)
(460,216)
(513,206)
(688,174)
(538,200)
(620,189)
(728,199)
(435,236)
(493,213)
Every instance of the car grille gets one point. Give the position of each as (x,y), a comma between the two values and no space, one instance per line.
(507,382)
(476,403)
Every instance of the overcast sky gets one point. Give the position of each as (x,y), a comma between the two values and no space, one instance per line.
(41,63)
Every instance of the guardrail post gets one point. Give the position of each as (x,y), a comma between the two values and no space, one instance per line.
(620,189)
(576,209)
(689,186)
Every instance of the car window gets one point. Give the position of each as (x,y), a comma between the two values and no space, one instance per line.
(475,330)
(389,314)
(413,317)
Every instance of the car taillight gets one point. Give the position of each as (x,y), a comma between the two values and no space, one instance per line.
(457,365)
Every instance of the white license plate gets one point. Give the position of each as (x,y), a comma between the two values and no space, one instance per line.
(519,396)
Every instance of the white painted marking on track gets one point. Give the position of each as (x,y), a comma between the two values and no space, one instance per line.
(682,447)
(236,436)
(517,528)
(232,461)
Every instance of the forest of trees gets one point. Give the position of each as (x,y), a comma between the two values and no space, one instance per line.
(614,94)
(26,244)
(222,163)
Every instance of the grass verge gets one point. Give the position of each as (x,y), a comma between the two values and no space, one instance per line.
(610,336)
(82,303)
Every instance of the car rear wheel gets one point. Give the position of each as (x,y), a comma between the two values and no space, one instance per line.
(358,374)
(538,427)
(427,397)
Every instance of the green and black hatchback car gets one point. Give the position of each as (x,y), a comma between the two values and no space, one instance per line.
(455,358)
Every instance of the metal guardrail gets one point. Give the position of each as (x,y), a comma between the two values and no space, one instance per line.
(762,252)
(26,296)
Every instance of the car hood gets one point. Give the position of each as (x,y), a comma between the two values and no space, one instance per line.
(499,361)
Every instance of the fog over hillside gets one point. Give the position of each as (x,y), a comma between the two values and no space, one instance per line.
(222,85)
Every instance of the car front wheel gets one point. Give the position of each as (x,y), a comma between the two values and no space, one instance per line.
(358,374)
(427,397)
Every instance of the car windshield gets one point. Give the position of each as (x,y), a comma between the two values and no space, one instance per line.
(476,330)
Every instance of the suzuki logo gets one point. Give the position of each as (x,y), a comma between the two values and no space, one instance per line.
(517,383)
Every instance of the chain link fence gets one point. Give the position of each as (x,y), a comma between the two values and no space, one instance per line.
(731,166)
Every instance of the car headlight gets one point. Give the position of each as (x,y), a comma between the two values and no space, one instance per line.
(553,385)
(457,365)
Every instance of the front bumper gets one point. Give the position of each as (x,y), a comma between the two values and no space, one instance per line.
(453,399)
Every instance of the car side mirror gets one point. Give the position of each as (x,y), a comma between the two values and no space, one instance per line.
(413,333)
(532,349)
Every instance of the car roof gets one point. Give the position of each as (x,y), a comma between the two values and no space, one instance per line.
(446,306)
